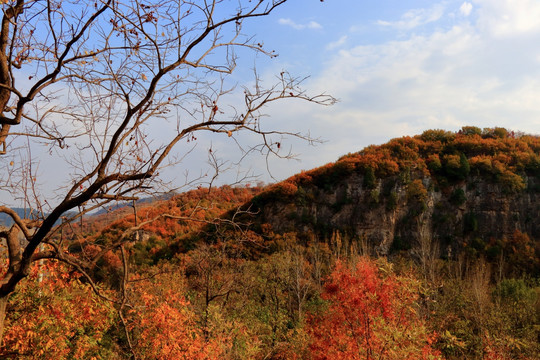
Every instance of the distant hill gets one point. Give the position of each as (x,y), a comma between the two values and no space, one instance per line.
(5,220)
(145,201)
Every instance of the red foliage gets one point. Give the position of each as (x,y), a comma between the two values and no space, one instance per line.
(371,315)
(189,208)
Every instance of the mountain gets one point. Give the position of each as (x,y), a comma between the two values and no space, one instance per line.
(475,190)
(5,219)
(454,216)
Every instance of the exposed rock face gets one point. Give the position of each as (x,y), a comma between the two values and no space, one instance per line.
(397,213)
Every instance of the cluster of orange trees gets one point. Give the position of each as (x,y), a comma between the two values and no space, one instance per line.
(363,310)
(494,153)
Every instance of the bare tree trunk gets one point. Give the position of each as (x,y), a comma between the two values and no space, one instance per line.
(3,303)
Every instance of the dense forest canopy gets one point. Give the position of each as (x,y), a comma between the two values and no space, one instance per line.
(495,153)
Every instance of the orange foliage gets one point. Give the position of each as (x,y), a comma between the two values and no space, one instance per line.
(285,188)
(481,163)
(191,210)
(505,156)
(388,167)
(416,190)
(301,178)
(165,327)
(62,318)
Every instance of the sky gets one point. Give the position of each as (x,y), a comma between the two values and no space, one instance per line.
(401,67)
(397,68)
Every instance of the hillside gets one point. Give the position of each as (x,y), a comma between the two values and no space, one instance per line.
(476,189)
(164,227)
(422,248)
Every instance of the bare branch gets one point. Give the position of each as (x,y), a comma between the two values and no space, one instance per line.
(115,92)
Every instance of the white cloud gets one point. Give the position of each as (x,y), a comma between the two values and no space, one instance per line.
(338,43)
(466,8)
(480,70)
(416,17)
(506,18)
(314,25)
(446,79)
(310,25)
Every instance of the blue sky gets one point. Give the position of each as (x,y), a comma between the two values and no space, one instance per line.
(401,67)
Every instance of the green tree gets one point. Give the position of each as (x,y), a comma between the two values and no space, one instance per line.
(471,130)
(457,166)
(369,178)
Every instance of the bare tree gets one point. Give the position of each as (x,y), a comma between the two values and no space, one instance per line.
(111,88)
(427,250)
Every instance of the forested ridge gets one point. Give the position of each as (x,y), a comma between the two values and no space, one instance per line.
(425,247)
(474,190)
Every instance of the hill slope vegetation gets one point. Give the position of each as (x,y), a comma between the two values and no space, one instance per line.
(426,247)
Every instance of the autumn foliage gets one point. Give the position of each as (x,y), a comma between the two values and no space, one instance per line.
(500,156)
(372,314)
(55,316)
(200,287)
(164,325)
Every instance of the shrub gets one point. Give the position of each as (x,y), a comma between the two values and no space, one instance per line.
(470,223)
(458,197)
(434,163)
(370,180)
(511,182)
(374,197)
(416,191)
(391,203)
(515,291)
(457,166)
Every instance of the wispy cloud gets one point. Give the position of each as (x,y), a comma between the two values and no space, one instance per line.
(310,25)
(452,76)
(414,18)
(466,8)
(338,43)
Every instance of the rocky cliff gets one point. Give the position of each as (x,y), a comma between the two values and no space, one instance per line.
(389,215)
(442,190)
